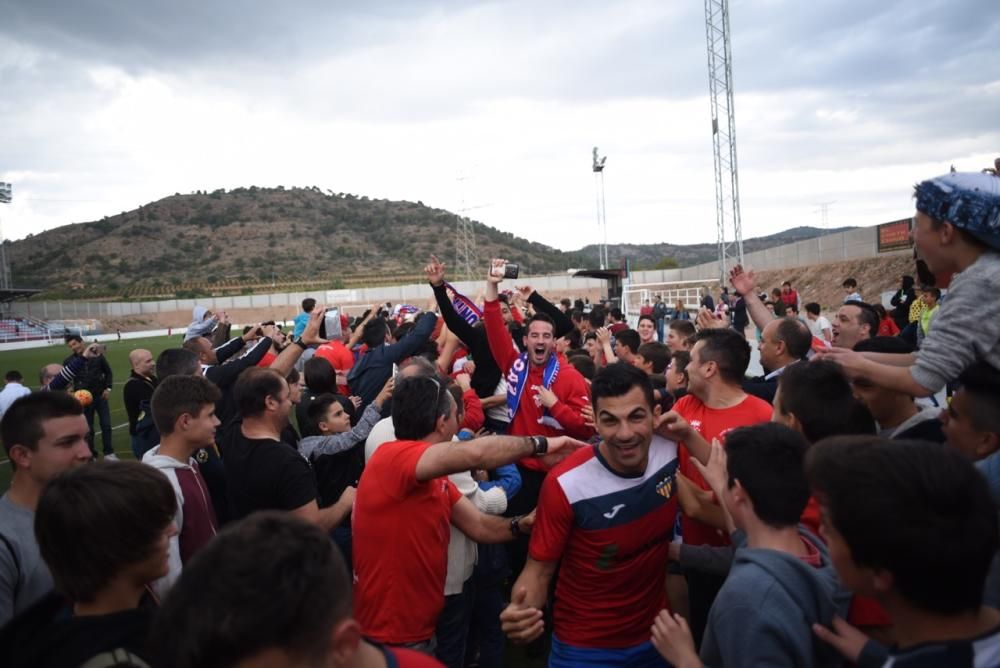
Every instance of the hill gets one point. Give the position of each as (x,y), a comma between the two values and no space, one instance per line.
(254,239)
(658,256)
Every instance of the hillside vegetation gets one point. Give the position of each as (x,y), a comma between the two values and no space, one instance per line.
(275,239)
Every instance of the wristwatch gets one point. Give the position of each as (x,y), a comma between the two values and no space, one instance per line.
(515,526)
(540,444)
(300,343)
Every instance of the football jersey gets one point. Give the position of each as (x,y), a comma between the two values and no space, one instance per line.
(611,533)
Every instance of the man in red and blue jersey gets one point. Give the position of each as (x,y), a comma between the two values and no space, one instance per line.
(607,514)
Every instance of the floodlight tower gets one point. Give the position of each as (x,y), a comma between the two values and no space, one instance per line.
(720,86)
(466,257)
(602,218)
(5,282)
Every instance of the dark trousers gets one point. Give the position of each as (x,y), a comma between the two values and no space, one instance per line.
(453,627)
(100,406)
(486,638)
(343,538)
(702,590)
(522,504)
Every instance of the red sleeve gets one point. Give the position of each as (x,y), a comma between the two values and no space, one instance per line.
(553,522)
(518,316)
(453,494)
(569,409)
(474,416)
(398,476)
(501,345)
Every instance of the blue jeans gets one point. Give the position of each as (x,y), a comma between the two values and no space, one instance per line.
(453,627)
(485,634)
(100,406)
(344,540)
(659,329)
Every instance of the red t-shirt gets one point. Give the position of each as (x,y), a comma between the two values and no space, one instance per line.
(266,360)
(618,327)
(888,327)
(713,423)
(646,310)
(339,357)
(401,531)
(610,534)
(790,298)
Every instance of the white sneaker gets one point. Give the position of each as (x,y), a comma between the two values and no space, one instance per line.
(112,456)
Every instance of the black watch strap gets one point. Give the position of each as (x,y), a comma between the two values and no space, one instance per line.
(540,445)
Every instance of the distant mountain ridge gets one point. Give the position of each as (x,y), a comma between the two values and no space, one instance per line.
(254,239)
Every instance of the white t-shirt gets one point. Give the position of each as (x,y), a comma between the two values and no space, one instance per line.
(817,326)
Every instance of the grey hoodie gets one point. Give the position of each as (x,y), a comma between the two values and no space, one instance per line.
(765,610)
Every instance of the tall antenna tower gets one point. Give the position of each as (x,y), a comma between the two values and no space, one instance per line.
(824,213)
(5,282)
(720,86)
(466,257)
(602,217)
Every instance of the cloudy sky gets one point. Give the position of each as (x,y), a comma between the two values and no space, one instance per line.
(494,107)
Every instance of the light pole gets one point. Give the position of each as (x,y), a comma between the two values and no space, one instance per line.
(602,219)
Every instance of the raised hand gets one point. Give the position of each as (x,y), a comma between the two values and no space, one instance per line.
(742,281)
(495,274)
(435,271)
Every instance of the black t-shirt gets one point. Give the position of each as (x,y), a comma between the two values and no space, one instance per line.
(47,634)
(265,474)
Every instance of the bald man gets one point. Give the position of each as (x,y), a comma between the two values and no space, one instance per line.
(138,392)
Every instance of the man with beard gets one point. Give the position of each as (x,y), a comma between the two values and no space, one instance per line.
(544,397)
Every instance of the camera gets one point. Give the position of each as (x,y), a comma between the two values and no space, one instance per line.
(510,270)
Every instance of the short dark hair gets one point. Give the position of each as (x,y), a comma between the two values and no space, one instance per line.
(884,344)
(849,283)
(573,338)
(818,395)
(24,422)
(900,505)
(540,317)
(311,592)
(933,291)
(320,375)
(72,337)
(647,317)
(795,335)
(729,351)
(866,316)
(681,359)
(980,383)
(178,395)
(254,386)
(319,406)
(176,362)
(684,328)
(617,314)
(122,508)
(597,316)
(308,304)
(618,379)
(13,376)
(414,415)
(788,283)
(629,338)
(657,353)
(768,459)
(374,331)
(584,364)
(812,307)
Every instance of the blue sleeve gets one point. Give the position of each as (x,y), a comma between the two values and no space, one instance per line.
(409,344)
(508,478)
(72,367)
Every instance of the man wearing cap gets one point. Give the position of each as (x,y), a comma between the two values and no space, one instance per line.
(956,230)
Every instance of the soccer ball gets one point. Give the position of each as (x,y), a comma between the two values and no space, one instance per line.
(84,397)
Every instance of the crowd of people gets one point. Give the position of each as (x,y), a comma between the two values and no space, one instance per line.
(426,487)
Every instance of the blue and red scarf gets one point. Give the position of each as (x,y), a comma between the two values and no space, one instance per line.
(517,378)
(464,307)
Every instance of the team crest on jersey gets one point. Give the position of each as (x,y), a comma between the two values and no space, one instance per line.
(665,487)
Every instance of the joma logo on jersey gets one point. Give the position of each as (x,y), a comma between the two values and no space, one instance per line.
(665,487)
